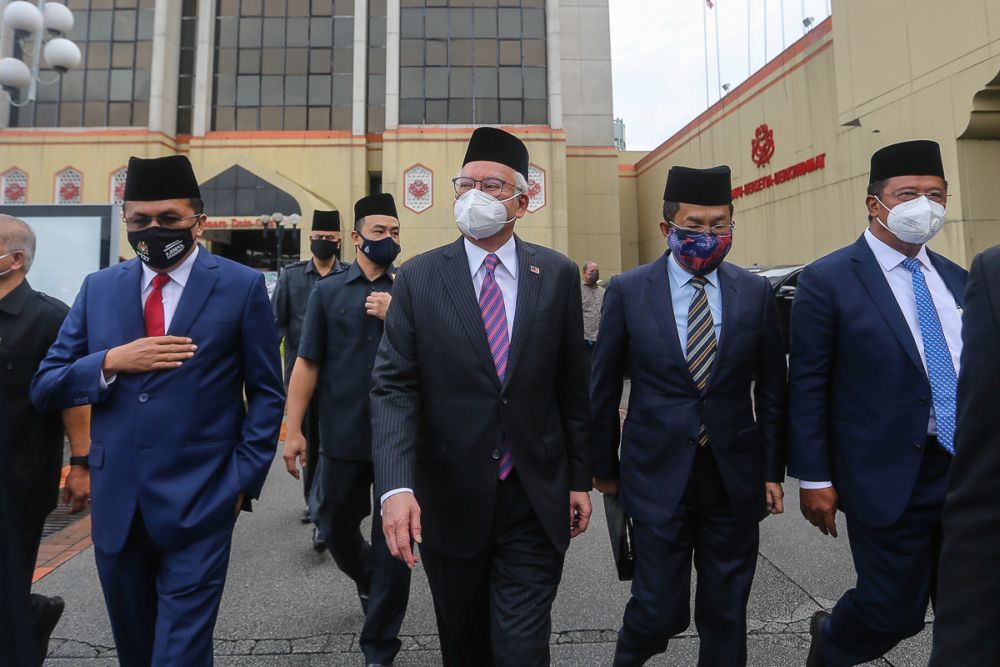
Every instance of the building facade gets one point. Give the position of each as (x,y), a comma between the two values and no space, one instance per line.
(800,132)
(287,106)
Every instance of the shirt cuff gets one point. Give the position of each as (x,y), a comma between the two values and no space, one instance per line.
(389,494)
(804,484)
(105,383)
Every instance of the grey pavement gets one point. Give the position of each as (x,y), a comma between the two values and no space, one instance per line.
(287,605)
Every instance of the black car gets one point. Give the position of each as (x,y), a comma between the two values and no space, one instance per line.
(784,279)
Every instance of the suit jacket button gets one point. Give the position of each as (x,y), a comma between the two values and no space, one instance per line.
(505,401)
(143,397)
(496,454)
(917,446)
(692,441)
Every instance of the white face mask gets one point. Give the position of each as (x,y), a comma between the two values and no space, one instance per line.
(4,273)
(915,221)
(479,215)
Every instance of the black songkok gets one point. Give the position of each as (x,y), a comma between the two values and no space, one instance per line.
(704,187)
(326,221)
(160,178)
(377,204)
(909,158)
(490,144)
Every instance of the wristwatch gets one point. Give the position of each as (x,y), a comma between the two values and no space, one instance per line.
(82,461)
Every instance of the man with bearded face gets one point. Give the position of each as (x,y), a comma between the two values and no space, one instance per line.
(480,418)
(291,294)
(702,450)
(876,338)
(165,347)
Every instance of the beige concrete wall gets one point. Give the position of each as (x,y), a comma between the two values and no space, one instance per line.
(594,207)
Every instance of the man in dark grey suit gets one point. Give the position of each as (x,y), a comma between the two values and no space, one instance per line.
(480,417)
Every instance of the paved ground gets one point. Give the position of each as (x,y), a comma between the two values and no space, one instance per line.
(286,605)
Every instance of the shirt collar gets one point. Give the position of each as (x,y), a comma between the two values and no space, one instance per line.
(507,254)
(682,277)
(354,272)
(14,302)
(889,258)
(179,275)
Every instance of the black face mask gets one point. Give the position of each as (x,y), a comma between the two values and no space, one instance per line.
(381,252)
(323,249)
(159,247)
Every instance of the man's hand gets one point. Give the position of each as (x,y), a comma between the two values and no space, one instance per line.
(579,512)
(401,524)
(142,355)
(76,492)
(239,503)
(295,447)
(775,497)
(377,304)
(819,507)
(608,487)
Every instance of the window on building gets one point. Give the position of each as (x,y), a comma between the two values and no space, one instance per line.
(283,65)
(111,88)
(14,186)
(69,186)
(117,194)
(185,70)
(467,61)
(237,191)
(375,116)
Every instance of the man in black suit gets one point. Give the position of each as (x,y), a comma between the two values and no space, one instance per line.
(967,613)
(703,447)
(480,418)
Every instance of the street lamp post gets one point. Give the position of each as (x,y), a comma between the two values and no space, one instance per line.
(31,23)
(279,232)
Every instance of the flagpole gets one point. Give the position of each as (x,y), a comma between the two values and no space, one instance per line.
(718,60)
(749,69)
(782,4)
(765,32)
(704,25)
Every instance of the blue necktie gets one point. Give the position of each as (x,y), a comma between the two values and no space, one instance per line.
(940,370)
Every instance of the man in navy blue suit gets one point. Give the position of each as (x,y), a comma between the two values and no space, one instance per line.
(164,347)
(876,337)
(703,446)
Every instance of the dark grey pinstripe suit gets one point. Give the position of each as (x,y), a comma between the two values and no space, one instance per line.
(438,415)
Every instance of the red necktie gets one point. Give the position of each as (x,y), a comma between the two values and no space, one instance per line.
(153,311)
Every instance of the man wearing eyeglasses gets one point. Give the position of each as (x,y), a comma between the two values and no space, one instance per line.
(700,458)
(876,337)
(480,418)
(291,294)
(164,347)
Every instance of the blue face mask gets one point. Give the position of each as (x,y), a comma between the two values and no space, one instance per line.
(381,252)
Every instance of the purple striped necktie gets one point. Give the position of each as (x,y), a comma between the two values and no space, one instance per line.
(495,321)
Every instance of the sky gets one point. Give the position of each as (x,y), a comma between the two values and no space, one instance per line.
(658,55)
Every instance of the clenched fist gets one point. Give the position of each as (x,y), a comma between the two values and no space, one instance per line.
(377,304)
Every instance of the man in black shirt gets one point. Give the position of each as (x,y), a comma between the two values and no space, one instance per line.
(29,323)
(291,294)
(340,336)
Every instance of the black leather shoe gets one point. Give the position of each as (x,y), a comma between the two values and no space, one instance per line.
(816,658)
(46,615)
(306,517)
(319,546)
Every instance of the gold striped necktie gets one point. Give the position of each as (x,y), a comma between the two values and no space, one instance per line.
(701,343)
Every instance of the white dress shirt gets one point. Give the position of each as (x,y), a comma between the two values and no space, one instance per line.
(901,283)
(171,294)
(506,277)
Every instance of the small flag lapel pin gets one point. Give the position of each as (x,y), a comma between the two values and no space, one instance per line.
(534,269)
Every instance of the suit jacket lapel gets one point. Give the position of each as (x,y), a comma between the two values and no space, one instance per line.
(528,283)
(952,280)
(662,307)
(729,287)
(458,285)
(128,288)
(199,286)
(873,279)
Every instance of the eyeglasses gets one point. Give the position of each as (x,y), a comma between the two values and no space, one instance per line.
(936,196)
(137,222)
(491,186)
(715,230)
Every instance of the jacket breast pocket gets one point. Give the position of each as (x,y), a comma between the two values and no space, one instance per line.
(750,439)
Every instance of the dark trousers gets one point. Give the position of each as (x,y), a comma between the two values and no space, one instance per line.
(495,608)
(346,501)
(310,426)
(28,537)
(163,604)
(725,556)
(897,569)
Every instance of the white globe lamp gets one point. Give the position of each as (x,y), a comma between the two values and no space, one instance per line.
(58,18)
(14,73)
(23,16)
(61,54)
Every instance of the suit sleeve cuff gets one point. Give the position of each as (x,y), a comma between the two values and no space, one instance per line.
(805,484)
